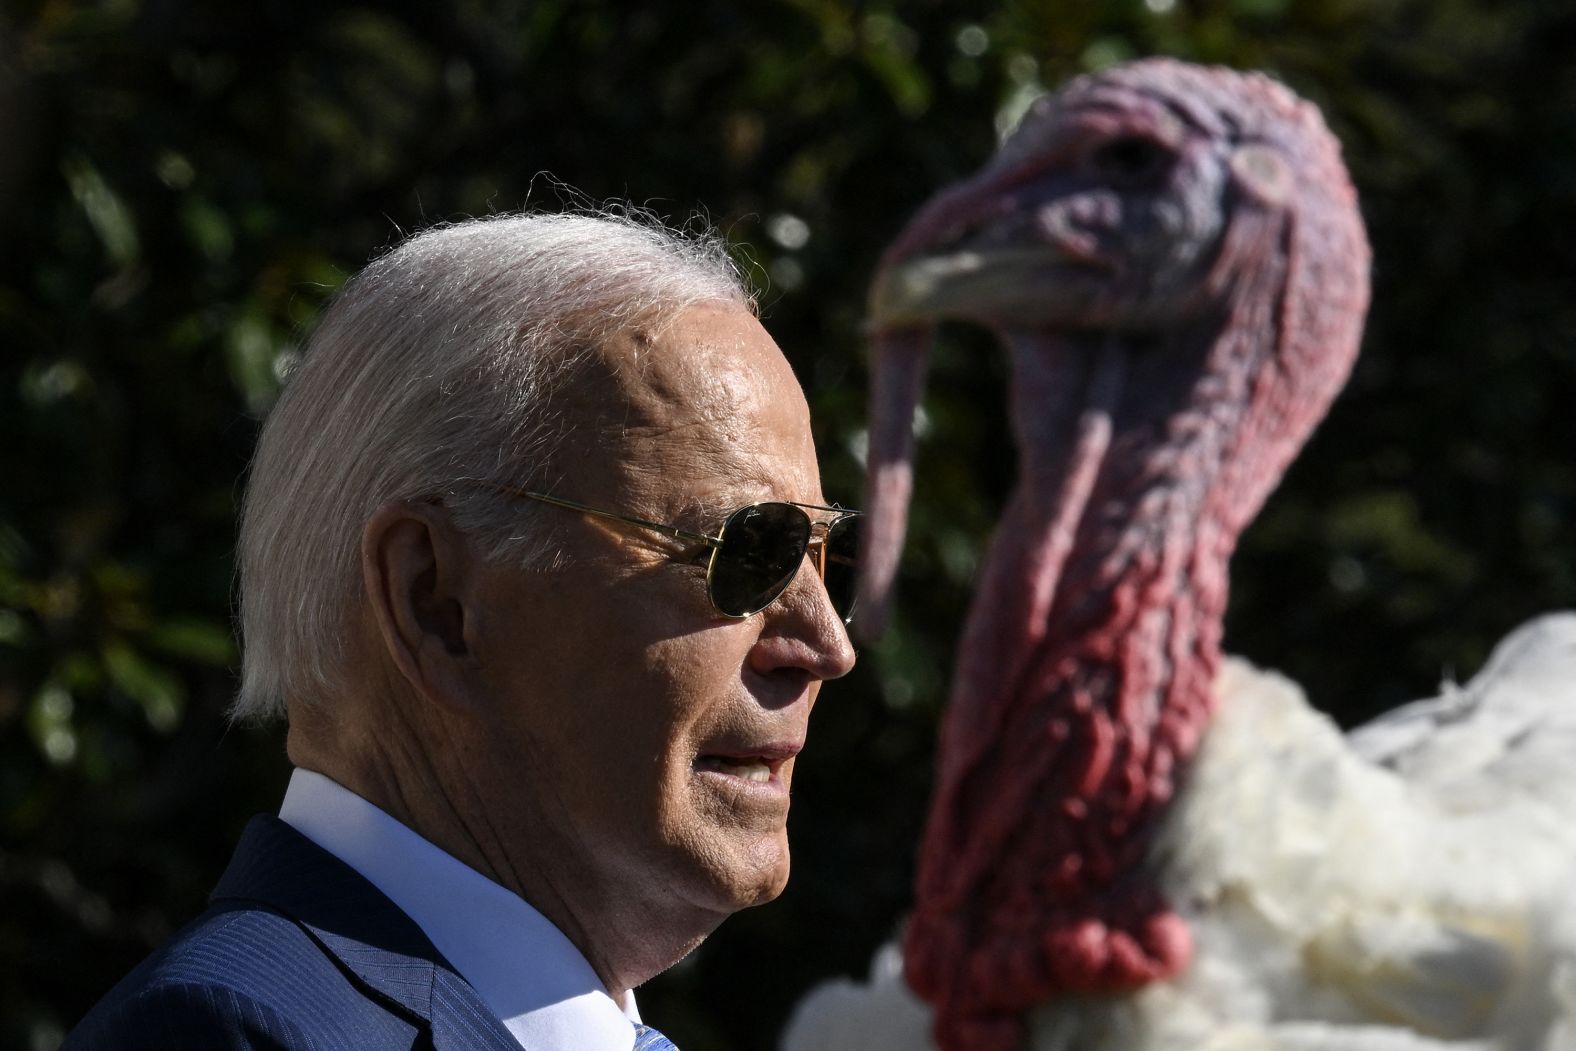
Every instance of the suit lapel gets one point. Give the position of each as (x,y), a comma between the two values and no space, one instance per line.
(461,1022)
(377,944)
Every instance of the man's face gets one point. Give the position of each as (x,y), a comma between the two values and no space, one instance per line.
(635,724)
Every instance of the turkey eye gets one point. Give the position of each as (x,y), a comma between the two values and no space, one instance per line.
(1129,158)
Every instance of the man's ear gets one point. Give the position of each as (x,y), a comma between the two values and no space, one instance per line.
(420,577)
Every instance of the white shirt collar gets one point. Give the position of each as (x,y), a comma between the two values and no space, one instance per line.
(530,975)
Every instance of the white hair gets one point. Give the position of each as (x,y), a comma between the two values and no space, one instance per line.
(436,364)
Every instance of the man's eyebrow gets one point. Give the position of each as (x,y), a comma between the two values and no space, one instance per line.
(745,484)
(706,514)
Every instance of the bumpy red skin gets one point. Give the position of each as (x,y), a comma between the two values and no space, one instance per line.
(1085,668)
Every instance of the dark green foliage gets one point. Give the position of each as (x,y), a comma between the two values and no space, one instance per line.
(183,184)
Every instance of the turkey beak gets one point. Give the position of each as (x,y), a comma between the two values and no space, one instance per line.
(982,284)
(926,289)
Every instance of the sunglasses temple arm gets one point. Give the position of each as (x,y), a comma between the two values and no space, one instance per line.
(558,501)
(817,548)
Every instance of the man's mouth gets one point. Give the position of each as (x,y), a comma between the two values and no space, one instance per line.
(755,764)
(751,768)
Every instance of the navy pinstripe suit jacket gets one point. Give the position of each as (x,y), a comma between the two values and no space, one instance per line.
(297,950)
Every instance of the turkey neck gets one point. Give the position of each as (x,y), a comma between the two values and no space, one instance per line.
(1111,515)
(1084,675)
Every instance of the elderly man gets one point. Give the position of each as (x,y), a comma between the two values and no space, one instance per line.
(535,556)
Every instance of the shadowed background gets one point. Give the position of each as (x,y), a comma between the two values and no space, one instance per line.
(182,186)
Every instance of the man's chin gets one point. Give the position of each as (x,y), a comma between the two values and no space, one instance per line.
(741,851)
(757,874)
(776,876)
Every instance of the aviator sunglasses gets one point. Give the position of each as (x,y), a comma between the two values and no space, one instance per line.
(758,551)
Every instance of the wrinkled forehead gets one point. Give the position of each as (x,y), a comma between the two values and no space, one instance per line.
(706,400)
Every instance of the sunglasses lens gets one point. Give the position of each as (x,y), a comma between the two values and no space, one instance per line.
(842,565)
(762,547)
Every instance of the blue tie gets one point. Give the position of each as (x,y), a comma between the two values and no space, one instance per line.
(648,1039)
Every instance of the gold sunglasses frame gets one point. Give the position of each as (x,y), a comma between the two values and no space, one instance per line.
(815,546)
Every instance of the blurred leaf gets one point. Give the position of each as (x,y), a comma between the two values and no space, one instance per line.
(111,219)
(209,229)
(14,629)
(158,692)
(258,359)
(1388,522)
(197,640)
(49,722)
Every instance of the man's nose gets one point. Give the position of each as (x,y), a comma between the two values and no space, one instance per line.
(804,631)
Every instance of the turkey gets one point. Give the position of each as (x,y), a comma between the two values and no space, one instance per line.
(1134,842)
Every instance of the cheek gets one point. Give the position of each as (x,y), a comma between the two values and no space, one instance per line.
(699,676)
(685,688)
